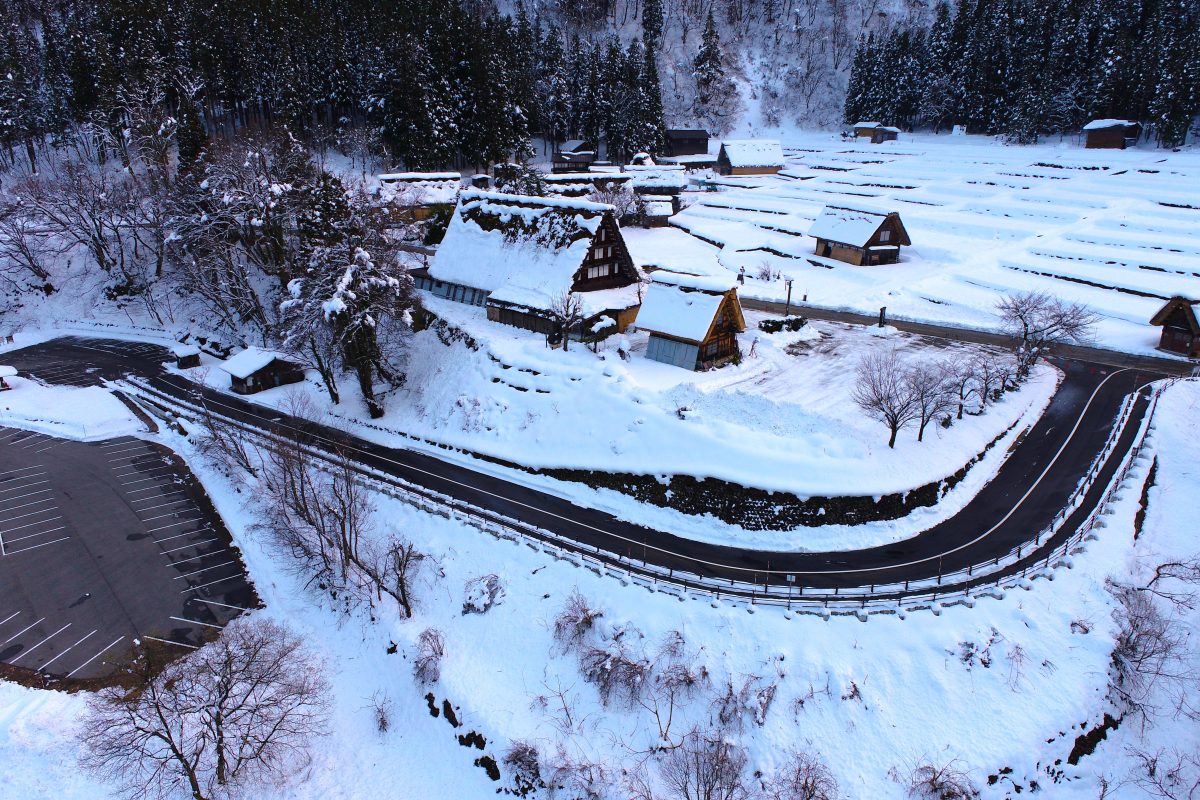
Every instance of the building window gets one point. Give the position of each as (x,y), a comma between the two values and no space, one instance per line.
(885,235)
(598,271)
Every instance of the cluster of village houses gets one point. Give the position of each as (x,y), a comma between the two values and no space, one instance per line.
(525,259)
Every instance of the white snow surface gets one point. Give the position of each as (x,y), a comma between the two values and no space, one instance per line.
(84,413)
(670,310)
(1100,124)
(1004,685)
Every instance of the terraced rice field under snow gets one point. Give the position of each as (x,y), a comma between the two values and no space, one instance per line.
(1115,230)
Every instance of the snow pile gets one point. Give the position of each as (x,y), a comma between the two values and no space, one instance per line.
(84,413)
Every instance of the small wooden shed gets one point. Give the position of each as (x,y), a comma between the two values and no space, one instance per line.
(186,355)
(875,131)
(1180,328)
(693,321)
(686,142)
(255,369)
(750,157)
(1110,134)
(574,155)
(859,236)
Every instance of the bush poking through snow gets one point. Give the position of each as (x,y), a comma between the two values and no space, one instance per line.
(481,593)
(238,713)
(427,666)
(805,776)
(706,766)
(524,764)
(578,778)
(381,708)
(575,622)
(617,672)
(950,781)
(1150,648)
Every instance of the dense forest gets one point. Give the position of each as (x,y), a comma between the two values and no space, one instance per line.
(1025,68)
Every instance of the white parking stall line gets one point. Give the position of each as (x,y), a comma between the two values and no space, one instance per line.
(32,514)
(141,472)
(57,443)
(36,546)
(154,497)
(213,583)
(141,480)
(161,505)
(124,440)
(10,616)
(189,547)
(205,569)
(9,542)
(64,652)
(192,532)
(22,497)
(24,653)
(30,524)
(18,633)
(26,486)
(168,641)
(134,457)
(147,488)
(174,514)
(93,658)
(198,622)
(27,505)
(130,447)
(215,603)
(11,472)
(26,444)
(172,525)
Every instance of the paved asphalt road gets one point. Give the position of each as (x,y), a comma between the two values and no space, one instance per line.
(102,543)
(1029,490)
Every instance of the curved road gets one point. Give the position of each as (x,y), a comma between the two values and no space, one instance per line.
(1031,487)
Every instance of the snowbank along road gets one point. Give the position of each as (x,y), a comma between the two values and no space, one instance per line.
(1032,487)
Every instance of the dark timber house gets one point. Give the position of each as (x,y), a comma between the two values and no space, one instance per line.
(1180,328)
(859,236)
(681,142)
(875,131)
(518,256)
(254,370)
(693,321)
(574,156)
(750,157)
(1110,134)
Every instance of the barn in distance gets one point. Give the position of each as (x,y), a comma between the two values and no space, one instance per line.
(750,157)
(1110,134)
(1180,327)
(859,236)
(254,370)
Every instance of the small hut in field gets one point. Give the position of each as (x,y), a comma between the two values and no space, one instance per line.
(859,236)
(876,132)
(1180,327)
(417,196)
(255,369)
(693,321)
(1110,134)
(750,157)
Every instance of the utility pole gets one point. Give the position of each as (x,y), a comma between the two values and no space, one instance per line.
(788,306)
(882,315)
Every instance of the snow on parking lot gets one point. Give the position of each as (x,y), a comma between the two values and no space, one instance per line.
(1114,230)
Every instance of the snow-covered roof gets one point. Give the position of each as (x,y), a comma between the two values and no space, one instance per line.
(576,146)
(670,310)
(660,208)
(524,251)
(183,350)
(599,175)
(867,124)
(250,361)
(1100,124)
(889,129)
(853,226)
(706,283)
(8,372)
(419,188)
(753,152)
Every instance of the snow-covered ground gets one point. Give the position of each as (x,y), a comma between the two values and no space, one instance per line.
(1007,684)
(985,219)
(86,413)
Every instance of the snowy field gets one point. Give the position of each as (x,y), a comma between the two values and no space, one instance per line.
(1115,230)
(1002,688)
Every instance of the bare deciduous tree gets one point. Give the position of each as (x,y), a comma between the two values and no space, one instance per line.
(427,664)
(882,392)
(706,766)
(566,312)
(962,381)
(1037,321)
(929,387)
(1168,773)
(805,776)
(930,781)
(1150,648)
(240,712)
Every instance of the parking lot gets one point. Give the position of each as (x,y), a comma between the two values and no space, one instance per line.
(103,544)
